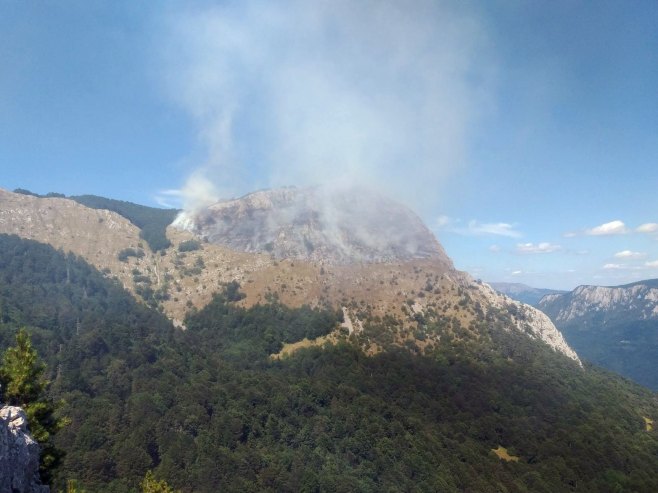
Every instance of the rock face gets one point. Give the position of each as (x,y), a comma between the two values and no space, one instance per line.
(316,224)
(638,301)
(19,454)
(615,327)
(529,320)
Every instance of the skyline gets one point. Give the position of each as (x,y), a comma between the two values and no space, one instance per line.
(524,135)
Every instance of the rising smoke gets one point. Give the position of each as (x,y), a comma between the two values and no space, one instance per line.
(379,93)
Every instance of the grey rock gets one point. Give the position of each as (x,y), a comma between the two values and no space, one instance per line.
(19,454)
(341,226)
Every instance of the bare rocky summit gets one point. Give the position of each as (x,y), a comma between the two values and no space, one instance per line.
(335,226)
(19,454)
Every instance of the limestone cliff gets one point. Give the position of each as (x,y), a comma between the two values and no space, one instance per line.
(19,454)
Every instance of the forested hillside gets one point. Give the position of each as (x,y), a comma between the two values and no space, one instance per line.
(209,410)
(613,326)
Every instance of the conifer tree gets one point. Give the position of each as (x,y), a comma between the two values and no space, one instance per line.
(24,384)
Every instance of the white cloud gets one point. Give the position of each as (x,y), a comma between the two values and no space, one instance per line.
(653,264)
(570,234)
(497,229)
(517,272)
(477,228)
(612,228)
(647,228)
(494,248)
(531,248)
(613,266)
(443,222)
(630,254)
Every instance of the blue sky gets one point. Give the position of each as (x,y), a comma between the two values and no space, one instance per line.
(524,133)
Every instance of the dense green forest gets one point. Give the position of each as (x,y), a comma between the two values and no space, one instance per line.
(151,221)
(629,348)
(208,410)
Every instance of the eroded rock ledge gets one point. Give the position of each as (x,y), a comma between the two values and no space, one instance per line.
(19,454)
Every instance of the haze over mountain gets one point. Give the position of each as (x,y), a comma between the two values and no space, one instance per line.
(462,110)
(346,225)
(613,326)
(522,292)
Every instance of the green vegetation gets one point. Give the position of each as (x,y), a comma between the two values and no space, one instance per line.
(49,195)
(189,246)
(23,191)
(153,222)
(126,253)
(623,339)
(207,410)
(151,485)
(628,348)
(24,385)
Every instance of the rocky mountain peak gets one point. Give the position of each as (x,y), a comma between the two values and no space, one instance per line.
(318,224)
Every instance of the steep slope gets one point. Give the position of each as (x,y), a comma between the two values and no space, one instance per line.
(208,409)
(616,327)
(401,276)
(345,226)
(522,292)
(19,454)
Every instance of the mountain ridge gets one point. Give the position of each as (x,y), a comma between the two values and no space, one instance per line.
(522,292)
(379,408)
(614,326)
(410,291)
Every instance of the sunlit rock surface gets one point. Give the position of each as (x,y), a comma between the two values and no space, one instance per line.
(19,454)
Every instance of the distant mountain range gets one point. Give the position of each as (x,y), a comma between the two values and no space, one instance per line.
(613,326)
(522,292)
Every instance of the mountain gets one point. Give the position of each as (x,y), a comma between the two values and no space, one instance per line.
(359,263)
(344,226)
(522,292)
(616,326)
(210,409)
(293,340)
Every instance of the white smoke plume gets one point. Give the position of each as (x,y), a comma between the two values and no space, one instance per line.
(378,93)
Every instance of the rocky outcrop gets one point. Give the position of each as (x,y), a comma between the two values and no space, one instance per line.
(19,454)
(604,304)
(336,226)
(528,320)
(615,327)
